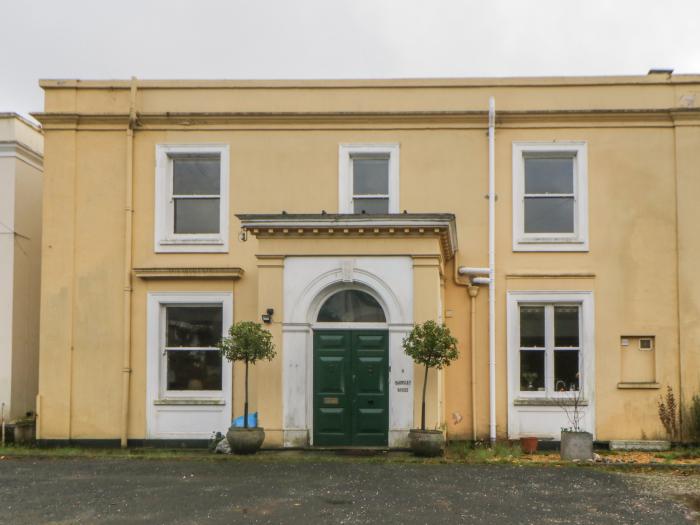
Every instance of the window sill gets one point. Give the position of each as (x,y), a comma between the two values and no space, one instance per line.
(642,385)
(550,245)
(548,402)
(193,245)
(192,240)
(189,402)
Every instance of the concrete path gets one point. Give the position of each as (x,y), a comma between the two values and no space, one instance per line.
(160,491)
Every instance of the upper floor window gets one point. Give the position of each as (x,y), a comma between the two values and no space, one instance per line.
(191,198)
(369,178)
(550,197)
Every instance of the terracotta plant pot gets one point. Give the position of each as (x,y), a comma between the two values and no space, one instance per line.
(528,445)
(245,440)
(427,443)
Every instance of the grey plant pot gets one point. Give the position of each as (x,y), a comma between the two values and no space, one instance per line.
(426,443)
(245,440)
(24,431)
(576,445)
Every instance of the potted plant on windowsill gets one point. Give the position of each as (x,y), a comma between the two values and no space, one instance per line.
(576,444)
(248,342)
(431,345)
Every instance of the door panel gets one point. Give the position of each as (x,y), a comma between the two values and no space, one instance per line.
(351,374)
(332,375)
(370,371)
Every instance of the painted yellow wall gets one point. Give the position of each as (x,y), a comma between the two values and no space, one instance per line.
(643,158)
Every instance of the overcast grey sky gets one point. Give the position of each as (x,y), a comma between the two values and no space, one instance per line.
(337,39)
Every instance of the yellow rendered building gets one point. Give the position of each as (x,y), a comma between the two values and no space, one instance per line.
(340,213)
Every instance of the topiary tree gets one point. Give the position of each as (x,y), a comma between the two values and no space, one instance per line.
(249,342)
(431,345)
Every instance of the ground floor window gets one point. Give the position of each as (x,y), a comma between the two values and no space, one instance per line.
(550,347)
(191,360)
(188,382)
(183,331)
(550,342)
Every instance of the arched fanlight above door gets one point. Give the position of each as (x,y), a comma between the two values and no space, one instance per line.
(351,306)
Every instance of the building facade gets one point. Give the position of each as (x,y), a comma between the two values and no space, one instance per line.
(340,213)
(21,166)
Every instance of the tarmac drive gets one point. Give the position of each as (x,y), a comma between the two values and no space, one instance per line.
(179,491)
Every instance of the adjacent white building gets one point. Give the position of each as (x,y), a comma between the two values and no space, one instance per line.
(21,169)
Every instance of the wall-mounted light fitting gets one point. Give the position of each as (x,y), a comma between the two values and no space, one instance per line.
(267,316)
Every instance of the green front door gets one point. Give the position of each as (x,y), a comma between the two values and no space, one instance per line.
(351,387)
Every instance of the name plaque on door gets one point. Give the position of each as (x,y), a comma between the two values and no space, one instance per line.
(330,401)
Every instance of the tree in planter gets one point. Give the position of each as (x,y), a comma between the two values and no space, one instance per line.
(576,443)
(431,345)
(248,342)
(571,405)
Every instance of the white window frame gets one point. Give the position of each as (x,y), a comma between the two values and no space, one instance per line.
(346,193)
(551,242)
(549,350)
(157,360)
(582,299)
(166,240)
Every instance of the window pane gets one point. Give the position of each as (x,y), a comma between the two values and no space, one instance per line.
(196,215)
(565,370)
(549,215)
(351,306)
(193,326)
(371,205)
(549,175)
(532,326)
(566,326)
(196,176)
(194,370)
(370,176)
(532,370)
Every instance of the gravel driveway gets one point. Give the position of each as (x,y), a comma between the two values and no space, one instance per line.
(160,491)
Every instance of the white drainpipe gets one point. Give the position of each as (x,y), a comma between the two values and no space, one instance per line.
(492,269)
(478,273)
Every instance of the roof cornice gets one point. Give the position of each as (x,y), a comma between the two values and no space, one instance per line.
(21,151)
(437,118)
(22,119)
(620,80)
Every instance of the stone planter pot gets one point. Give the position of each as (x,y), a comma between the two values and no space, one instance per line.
(528,445)
(245,440)
(426,443)
(24,431)
(576,446)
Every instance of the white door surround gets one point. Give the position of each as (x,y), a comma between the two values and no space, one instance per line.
(308,282)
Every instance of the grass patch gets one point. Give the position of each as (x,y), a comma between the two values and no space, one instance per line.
(89,452)
(276,455)
(679,453)
(503,453)
(479,452)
